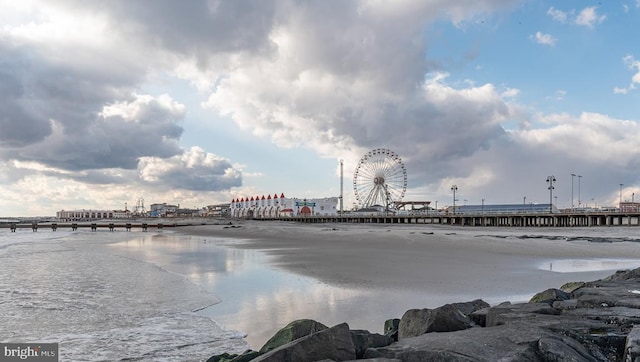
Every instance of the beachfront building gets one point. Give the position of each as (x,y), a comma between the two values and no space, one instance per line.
(163,210)
(627,206)
(502,209)
(267,207)
(89,215)
(219,210)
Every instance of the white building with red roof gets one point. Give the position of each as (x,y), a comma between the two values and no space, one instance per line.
(275,207)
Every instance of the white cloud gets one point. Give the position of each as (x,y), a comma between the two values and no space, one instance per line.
(336,78)
(589,17)
(510,93)
(194,170)
(633,65)
(545,39)
(557,15)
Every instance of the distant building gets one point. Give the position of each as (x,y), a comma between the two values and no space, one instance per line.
(627,206)
(502,209)
(89,215)
(280,206)
(163,210)
(219,210)
(190,213)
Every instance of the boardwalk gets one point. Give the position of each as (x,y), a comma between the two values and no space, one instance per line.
(578,219)
(480,220)
(94,226)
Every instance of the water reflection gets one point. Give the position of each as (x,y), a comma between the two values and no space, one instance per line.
(257,298)
(586,265)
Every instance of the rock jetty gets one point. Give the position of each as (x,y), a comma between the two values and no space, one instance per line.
(582,321)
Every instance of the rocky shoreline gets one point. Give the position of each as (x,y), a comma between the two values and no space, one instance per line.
(581,321)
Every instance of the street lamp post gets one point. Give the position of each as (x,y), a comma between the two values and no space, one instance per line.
(572,176)
(550,181)
(579,201)
(454,188)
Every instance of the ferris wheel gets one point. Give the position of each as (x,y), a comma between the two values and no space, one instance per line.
(380,178)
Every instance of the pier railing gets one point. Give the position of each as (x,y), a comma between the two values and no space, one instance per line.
(93,226)
(514,219)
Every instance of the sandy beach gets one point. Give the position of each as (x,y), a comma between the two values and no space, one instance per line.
(417,256)
(377,271)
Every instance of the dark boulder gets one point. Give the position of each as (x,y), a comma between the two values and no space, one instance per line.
(556,348)
(223,357)
(632,346)
(391,328)
(467,308)
(329,344)
(572,286)
(623,275)
(479,317)
(364,339)
(511,342)
(549,296)
(504,313)
(248,355)
(292,331)
(446,318)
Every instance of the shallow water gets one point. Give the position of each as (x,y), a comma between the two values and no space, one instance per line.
(585,265)
(68,288)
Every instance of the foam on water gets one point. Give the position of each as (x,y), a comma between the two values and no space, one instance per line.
(68,288)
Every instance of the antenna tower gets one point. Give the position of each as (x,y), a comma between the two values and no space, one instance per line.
(341,184)
(139,210)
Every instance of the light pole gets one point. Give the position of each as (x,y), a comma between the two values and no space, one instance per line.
(454,188)
(572,176)
(550,180)
(579,202)
(524,201)
(482,206)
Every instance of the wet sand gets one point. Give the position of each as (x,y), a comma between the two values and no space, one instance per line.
(369,273)
(420,256)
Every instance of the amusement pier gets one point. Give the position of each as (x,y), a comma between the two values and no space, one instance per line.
(513,219)
(569,219)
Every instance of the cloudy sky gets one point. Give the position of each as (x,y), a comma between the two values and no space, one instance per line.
(198,102)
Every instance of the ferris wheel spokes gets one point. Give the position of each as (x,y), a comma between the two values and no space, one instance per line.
(380,178)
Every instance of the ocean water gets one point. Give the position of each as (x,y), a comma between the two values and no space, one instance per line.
(77,290)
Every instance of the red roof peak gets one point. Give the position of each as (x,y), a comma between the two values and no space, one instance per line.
(275,196)
(251,198)
(269,197)
(282,196)
(263,197)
